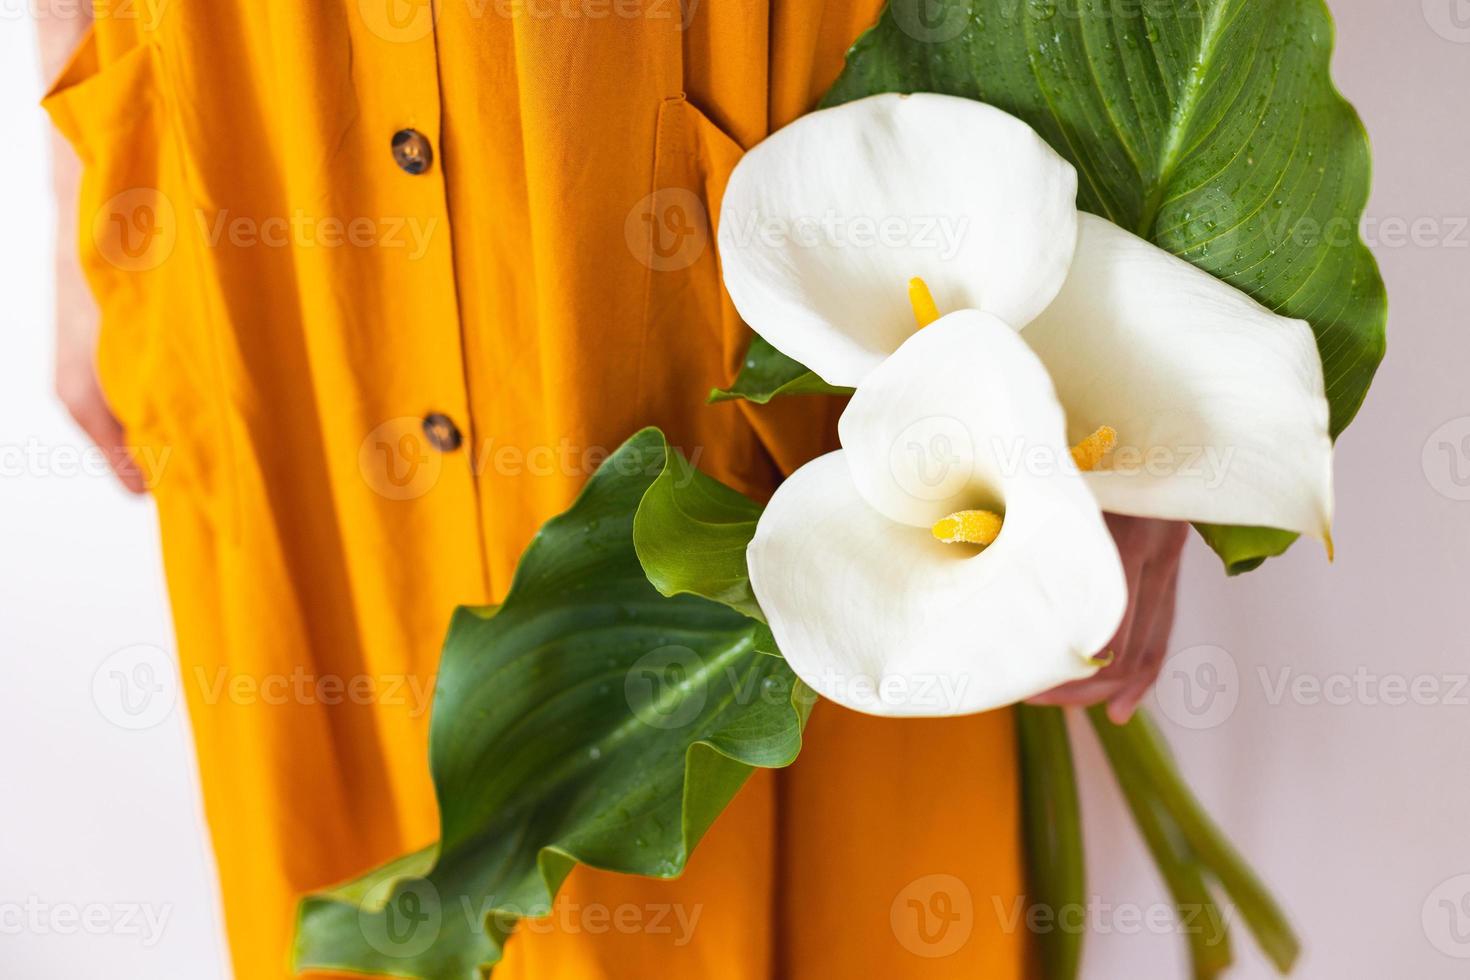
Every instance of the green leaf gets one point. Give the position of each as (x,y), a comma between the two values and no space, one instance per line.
(768,373)
(691,532)
(587,720)
(1055,868)
(1244,549)
(1211,128)
(1158,794)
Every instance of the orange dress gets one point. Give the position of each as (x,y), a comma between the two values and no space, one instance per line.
(310,227)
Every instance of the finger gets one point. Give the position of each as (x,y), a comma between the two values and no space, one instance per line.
(1079,694)
(1152,657)
(106,432)
(1154,585)
(1154,645)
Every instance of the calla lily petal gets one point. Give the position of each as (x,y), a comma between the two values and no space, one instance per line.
(824,223)
(955,418)
(1218,402)
(875,613)
(884,619)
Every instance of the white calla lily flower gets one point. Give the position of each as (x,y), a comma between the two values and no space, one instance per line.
(949,559)
(1218,403)
(899,586)
(817,221)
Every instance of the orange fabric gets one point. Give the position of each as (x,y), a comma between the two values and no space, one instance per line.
(282,304)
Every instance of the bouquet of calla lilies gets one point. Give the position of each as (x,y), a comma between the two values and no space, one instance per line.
(958,533)
(1109,327)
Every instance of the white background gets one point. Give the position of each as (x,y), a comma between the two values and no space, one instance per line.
(101,831)
(1358,808)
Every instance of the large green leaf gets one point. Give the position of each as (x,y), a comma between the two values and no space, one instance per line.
(1210,127)
(767,373)
(691,532)
(589,719)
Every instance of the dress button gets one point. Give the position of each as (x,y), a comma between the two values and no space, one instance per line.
(411,151)
(441,432)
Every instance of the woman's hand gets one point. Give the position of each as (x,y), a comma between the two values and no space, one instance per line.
(1150,551)
(76,333)
(60,30)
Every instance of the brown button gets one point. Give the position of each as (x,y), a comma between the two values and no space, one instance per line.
(411,151)
(442,433)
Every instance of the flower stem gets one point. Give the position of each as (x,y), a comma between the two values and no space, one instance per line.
(1056,870)
(1140,757)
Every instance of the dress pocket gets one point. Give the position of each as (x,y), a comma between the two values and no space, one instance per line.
(91,101)
(693,158)
(111,111)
